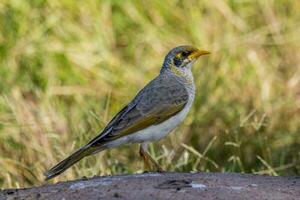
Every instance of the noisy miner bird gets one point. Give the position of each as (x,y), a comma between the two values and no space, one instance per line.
(155,111)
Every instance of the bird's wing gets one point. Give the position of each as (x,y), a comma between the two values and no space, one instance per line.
(161,99)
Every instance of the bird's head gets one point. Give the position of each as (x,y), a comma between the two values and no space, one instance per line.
(182,58)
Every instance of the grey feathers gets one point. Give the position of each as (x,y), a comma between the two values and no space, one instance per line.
(163,97)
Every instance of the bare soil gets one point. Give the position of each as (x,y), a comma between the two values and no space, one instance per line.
(172,186)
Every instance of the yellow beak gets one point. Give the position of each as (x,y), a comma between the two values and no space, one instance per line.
(197,54)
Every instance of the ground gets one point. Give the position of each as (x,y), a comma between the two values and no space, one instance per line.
(165,186)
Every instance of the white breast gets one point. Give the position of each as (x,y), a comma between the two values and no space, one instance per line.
(155,132)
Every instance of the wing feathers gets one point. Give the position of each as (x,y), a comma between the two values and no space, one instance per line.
(161,99)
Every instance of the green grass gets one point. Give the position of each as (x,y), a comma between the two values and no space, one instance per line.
(66,67)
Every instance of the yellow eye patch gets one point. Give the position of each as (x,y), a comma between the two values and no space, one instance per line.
(182,55)
(179,55)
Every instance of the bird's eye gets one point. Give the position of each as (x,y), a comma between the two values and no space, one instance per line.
(184,54)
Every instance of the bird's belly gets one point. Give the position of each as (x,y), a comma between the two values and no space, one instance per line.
(156,132)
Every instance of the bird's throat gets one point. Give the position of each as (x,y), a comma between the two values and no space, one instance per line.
(182,74)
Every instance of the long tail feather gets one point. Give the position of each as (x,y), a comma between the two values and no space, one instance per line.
(68,162)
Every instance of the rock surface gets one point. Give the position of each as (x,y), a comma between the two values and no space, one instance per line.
(166,186)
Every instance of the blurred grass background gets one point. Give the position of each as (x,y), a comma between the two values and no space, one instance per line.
(68,66)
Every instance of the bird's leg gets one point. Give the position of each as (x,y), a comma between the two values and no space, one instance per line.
(148,160)
(147,164)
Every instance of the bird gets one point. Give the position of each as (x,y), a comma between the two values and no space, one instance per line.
(154,112)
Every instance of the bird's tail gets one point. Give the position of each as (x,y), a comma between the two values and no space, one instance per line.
(68,162)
